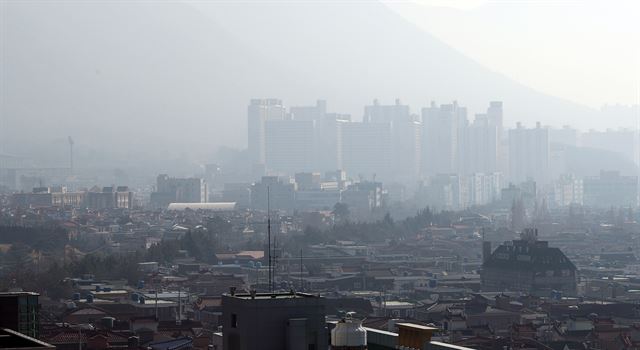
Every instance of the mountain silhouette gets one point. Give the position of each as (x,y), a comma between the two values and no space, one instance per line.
(177,76)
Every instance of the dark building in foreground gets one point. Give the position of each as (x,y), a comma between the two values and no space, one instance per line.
(10,339)
(528,265)
(20,312)
(279,321)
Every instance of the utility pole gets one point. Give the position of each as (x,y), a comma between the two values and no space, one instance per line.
(275,261)
(269,236)
(156,301)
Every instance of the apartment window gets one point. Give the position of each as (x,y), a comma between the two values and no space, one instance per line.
(234,321)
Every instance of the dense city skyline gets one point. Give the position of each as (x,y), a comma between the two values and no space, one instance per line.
(319,175)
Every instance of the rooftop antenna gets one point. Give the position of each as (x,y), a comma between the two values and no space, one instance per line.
(275,260)
(301,282)
(70,153)
(269,236)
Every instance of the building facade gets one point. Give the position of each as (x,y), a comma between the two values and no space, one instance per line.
(278,321)
(529,265)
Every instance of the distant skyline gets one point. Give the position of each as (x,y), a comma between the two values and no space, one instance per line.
(587,52)
(175,77)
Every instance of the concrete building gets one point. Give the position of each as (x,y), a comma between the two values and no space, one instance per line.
(290,145)
(109,198)
(529,154)
(330,132)
(441,139)
(529,265)
(484,188)
(237,192)
(314,113)
(482,145)
(278,321)
(447,192)
(20,312)
(308,181)
(610,189)
(407,150)
(327,133)
(377,113)
(182,190)
(318,199)
(568,190)
(258,112)
(363,197)
(95,198)
(366,149)
(406,134)
(12,340)
(280,194)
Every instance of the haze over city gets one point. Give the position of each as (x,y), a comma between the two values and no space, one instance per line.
(428,174)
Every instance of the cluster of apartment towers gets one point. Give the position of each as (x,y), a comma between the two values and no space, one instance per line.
(392,144)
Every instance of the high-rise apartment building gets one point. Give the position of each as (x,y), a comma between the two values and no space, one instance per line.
(290,145)
(366,149)
(405,145)
(377,113)
(330,140)
(495,116)
(258,112)
(407,150)
(529,154)
(442,139)
(316,112)
(483,142)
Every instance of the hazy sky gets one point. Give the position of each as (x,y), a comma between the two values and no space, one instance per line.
(585,51)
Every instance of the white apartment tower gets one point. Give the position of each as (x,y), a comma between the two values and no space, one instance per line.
(258,112)
(529,154)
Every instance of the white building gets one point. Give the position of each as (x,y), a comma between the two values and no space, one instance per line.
(529,154)
(290,145)
(441,138)
(258,112)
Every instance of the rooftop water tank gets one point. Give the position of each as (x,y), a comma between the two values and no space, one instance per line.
(107,322)
(89,298)
(75,296)
(348,334)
